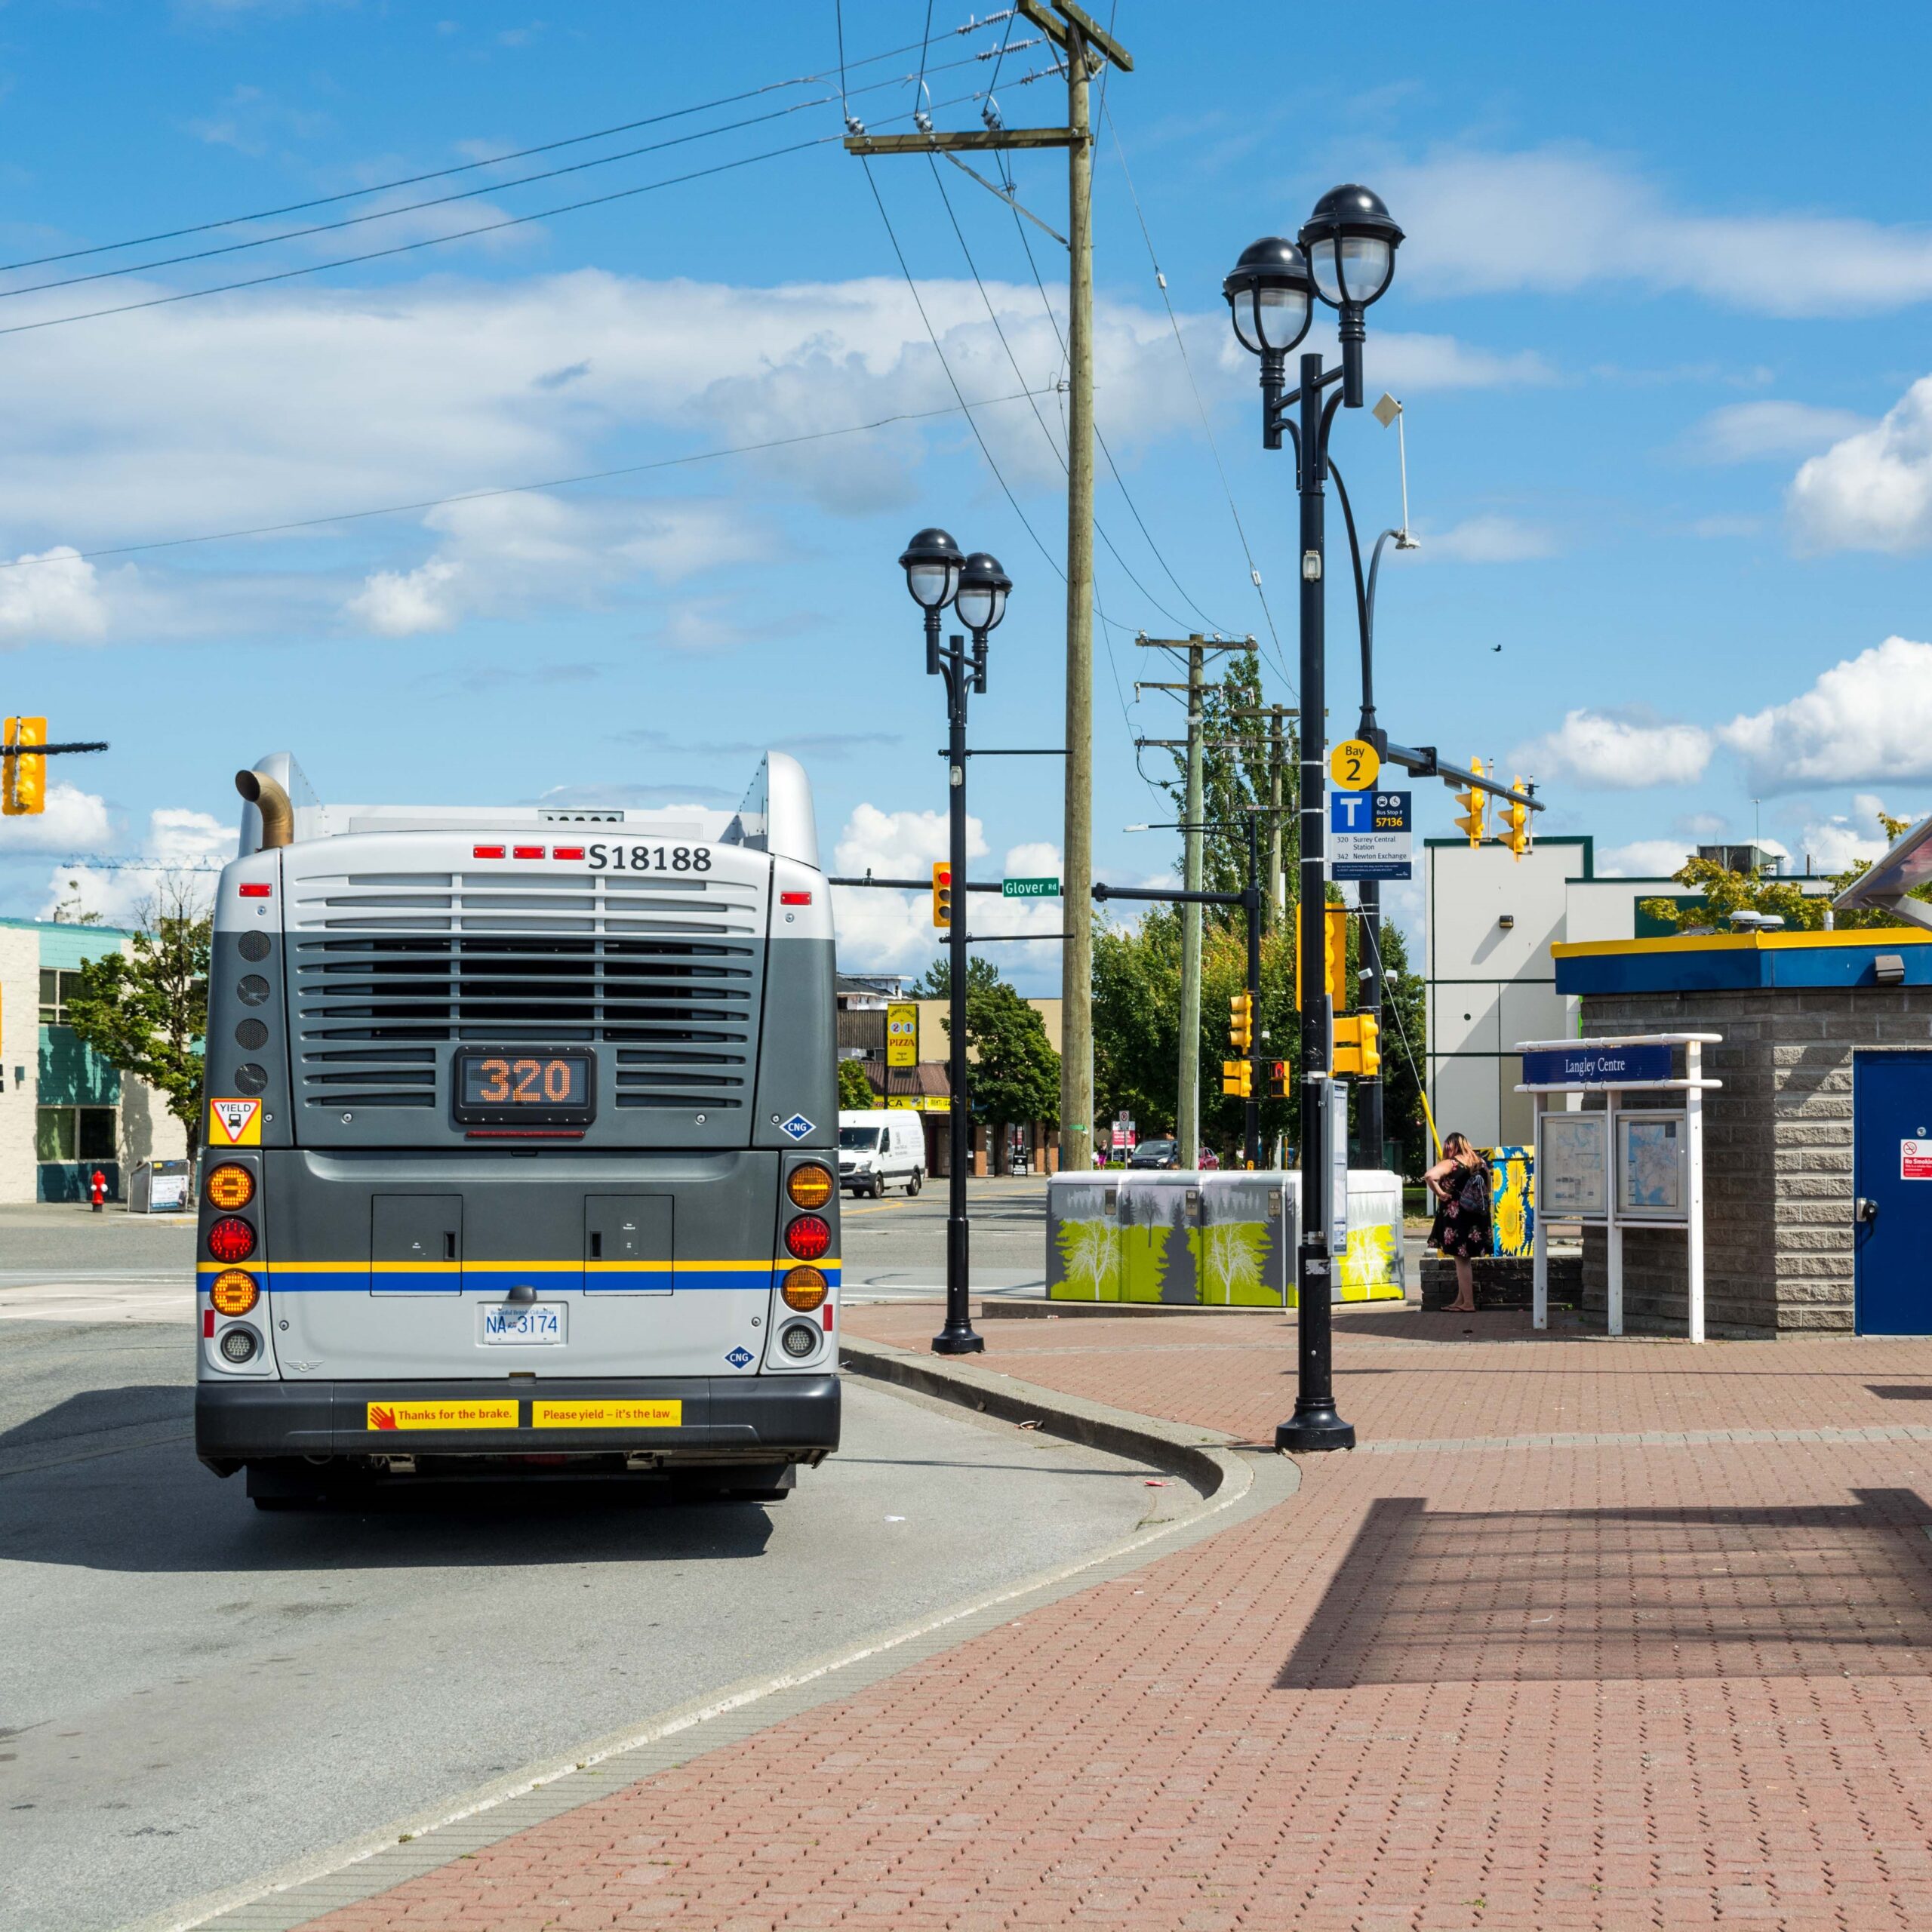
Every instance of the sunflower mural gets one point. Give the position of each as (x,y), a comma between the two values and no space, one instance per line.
(1512,1199)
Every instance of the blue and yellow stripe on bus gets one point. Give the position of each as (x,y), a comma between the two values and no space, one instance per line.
(554,1277)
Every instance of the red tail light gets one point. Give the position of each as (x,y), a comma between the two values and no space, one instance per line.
(795,899)
(527,852)
(809,1237)
(231,1239)
(486,851)
(256,891)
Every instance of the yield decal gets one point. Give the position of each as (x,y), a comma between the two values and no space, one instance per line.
(441,1415)
(798,1127)
(607,1415)
(234,1123)
(740,1357)
(1916,1160)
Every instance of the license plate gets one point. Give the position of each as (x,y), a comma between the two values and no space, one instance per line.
(523,1327)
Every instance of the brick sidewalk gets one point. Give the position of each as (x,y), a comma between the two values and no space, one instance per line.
(1602,1634)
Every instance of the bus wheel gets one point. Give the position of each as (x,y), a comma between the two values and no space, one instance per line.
(913,1185)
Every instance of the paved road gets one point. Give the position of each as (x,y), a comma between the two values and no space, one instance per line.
(198,1693)
(895,1248)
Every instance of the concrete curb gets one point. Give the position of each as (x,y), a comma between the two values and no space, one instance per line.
(1202,1456)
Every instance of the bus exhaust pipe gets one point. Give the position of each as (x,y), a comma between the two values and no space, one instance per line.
(267,795)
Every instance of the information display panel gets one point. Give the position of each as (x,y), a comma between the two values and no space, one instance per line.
(503,1087)
(1573,1167)
(1652,1178)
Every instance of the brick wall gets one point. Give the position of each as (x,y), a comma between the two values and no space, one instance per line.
(1777,1155)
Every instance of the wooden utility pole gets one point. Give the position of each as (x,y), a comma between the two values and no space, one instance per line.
(1086,48)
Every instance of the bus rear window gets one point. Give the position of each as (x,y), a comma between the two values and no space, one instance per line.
(859,1139)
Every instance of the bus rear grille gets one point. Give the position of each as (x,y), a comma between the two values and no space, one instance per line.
(374,1013)
(502,901)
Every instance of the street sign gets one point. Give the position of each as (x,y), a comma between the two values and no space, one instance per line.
(1642,1065)
(1355,765)
(1369,835)
(1029,888)
(901,1033)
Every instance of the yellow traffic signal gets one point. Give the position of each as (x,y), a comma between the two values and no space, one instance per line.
(1516,822)
(1240,1023)
(1334,957)
(1358,1045)
(1277,1080)
(942,897)
(1238,1078)
(1475,803)
(23,785)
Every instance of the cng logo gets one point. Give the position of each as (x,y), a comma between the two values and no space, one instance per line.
(740,1357)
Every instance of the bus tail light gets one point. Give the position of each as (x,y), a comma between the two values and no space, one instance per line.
(798,1340)
(231,1186)
(239,1344)
(809,1237)
(231,1239)
(810,1186)
(805,1289)
(234,1292)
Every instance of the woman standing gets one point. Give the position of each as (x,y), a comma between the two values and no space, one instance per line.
(1460,1182)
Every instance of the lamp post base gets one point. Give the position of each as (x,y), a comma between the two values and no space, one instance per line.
(1314,1428)
(949,1343)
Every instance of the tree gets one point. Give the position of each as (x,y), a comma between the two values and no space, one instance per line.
(147,1014)
(1722,892)
(855,1091)
(936,983)
(1015,1075)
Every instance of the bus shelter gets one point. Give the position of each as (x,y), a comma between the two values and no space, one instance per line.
(1636,1160)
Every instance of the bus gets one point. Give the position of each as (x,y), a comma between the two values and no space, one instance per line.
(520,1148)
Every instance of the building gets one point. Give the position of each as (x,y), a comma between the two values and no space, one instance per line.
(1492,920)
(64,1112)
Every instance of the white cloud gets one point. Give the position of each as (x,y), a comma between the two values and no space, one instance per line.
(1482,540)
(74,821)
(1558,218)
(405,603)
(1836,844)
(1642,858)
(1744,432)
(1615,752)
(1868,719)
(1872,491)
(178,842)
(50,598)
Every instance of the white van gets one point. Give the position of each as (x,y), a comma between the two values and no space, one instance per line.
(882,1147)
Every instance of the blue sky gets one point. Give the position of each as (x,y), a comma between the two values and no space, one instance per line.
(1657,328)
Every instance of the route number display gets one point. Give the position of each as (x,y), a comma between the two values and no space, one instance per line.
(508,1089)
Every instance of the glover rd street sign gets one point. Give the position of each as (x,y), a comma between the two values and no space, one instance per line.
(1029,888)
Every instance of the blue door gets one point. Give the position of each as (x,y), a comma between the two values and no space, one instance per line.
(1892,1179)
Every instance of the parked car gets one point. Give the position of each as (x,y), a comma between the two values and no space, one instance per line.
(1209,1159)
(1155,1154)
(881,1147)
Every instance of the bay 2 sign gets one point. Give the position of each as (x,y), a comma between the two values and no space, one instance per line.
(1368,835)
(1596,1066)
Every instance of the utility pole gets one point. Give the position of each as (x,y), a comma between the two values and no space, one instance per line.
(1086,48)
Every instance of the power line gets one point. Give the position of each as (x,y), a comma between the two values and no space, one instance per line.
(446,200)
(492,160)
(509,489)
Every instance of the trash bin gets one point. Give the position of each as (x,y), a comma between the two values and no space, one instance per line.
(159,1187)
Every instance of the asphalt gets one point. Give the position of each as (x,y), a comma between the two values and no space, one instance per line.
(204,1692)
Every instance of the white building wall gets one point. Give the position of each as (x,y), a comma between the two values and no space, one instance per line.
(20,1061)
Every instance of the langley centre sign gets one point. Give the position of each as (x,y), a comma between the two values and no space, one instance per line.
(1587,1065)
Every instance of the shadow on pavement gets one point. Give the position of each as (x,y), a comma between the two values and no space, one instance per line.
(1901,1392)
(152,1508)
(1583,1595)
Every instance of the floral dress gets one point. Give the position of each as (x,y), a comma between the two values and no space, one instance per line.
(1462,1229)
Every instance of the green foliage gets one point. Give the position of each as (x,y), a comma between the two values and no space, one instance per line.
(147,1015)
(1724,892)
(936,983)
(1015,1074)
(855,1091)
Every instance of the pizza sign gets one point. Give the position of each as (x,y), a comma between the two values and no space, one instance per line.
(234,1123)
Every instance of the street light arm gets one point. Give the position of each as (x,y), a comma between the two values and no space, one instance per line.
(1365,621)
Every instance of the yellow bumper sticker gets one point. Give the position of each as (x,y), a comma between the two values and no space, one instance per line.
(441,1415)
(607,1415)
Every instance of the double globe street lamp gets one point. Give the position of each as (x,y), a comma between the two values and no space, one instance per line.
(975,587)
(1345,255)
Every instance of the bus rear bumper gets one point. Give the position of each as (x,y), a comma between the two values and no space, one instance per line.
(668,1422)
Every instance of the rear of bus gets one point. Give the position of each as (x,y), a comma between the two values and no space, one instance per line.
(521,1146)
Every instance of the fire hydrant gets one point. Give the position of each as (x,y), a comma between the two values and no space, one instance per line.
(97,1191)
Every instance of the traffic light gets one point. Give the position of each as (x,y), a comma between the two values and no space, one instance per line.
(1357,1047)
(1475,803)
(942,897)
(24,784)
(1516,822)
(1240,1023)
(1238,1078)
(1277,1080)
(1334,957)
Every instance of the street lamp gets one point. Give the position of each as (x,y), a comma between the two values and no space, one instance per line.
(1346,253)
(976,588)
